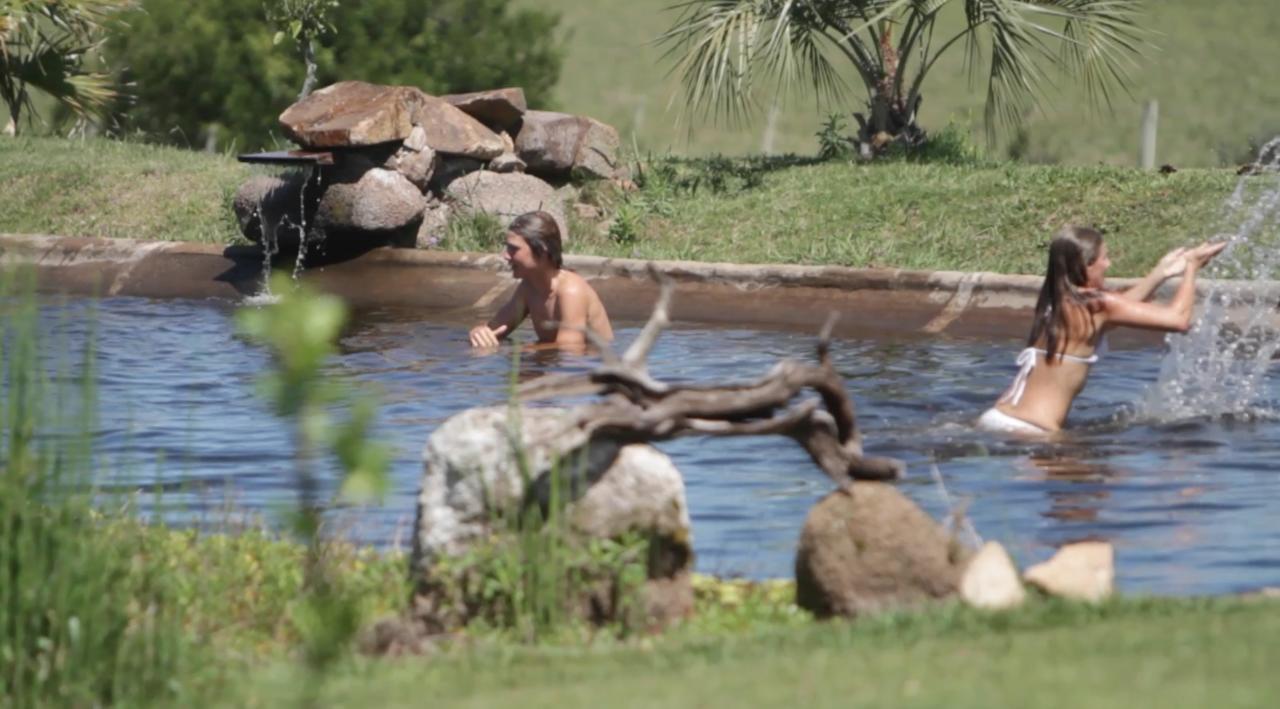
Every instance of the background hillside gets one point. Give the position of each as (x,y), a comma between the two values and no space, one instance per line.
(1210,73)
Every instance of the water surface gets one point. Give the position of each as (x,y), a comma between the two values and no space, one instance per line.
(1192,506)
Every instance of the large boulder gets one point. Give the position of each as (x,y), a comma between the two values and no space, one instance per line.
(272,204)
(352,113)
(505,196)
(453,132)
(499,109)
(560,144)
(472,473)
(356,113)
(379,200)
(868,548)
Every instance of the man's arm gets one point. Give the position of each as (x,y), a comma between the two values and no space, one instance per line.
(572,306)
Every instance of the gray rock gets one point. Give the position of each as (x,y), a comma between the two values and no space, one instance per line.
(417,140)
(471,473)
(868,548)
(434,226)
(418,166)
(563,144)
(270,202)
(499,109)
(380,200)
(507,162)
(505,196)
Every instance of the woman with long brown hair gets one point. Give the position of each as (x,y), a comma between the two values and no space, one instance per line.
(1072,315)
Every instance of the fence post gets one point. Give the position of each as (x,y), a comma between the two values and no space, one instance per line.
(1147,148)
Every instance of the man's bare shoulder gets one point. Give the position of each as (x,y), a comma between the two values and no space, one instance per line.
(572,285)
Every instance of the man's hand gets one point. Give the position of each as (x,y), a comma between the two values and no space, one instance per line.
(484,336)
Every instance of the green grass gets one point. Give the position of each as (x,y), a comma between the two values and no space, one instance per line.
(1210,75)
(1146,652)
(975,215)
(115,189)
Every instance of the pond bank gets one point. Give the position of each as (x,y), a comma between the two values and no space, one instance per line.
(462,285)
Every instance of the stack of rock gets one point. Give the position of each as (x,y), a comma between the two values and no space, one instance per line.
(405,163)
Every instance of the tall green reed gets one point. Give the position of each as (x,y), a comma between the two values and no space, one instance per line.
(86,616)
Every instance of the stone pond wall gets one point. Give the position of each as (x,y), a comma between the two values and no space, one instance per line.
(406,163)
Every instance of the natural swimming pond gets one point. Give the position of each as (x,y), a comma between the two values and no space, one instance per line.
(1193,506)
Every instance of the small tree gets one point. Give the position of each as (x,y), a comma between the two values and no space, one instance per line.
(306,21)
(43,46)
(721,46)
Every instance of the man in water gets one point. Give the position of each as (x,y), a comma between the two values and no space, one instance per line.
(561,303)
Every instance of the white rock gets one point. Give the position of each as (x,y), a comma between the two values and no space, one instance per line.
(1084,571)
(990,580)
(470,470)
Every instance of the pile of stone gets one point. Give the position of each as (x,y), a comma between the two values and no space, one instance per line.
(869,548)
(405,163)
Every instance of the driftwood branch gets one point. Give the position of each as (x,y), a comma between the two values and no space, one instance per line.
(638,408)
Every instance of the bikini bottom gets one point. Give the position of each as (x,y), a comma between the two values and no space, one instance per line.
(997,421)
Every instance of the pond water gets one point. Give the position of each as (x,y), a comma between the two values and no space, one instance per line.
(1192,506)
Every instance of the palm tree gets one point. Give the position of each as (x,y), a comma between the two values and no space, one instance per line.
(723,48)
(43,46)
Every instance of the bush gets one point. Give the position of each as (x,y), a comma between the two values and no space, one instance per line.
(208,72)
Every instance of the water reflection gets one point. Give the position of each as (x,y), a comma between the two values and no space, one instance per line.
(1192,506)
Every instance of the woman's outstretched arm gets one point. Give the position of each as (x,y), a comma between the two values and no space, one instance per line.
(1169,265)
(1174,316)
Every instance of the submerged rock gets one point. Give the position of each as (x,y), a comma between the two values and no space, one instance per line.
(1084,571)
(868,548)
(990,580)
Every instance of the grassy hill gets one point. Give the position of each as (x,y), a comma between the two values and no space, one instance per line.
(1209,74)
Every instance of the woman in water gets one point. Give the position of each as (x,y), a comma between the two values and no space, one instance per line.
(1072,315)
(561,303)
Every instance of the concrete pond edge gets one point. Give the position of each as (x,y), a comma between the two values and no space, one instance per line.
(461,286)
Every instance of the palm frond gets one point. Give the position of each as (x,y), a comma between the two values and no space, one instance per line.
(725,48)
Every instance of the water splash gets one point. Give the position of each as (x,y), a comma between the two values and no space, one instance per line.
(1220,366)
(303,233)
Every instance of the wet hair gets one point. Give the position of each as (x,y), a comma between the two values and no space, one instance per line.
(540,231)
(1071,252)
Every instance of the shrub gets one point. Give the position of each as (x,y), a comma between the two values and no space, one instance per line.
(207,71)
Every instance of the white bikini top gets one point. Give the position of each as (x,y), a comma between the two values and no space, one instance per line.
(1027,362)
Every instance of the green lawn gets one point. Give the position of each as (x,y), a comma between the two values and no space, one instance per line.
(1168,653)
(974,215)
(1210,74)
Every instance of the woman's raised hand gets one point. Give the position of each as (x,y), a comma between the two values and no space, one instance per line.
(1204,253)
(1173,263)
